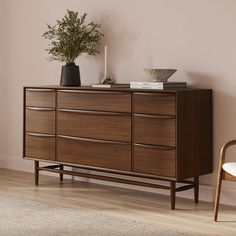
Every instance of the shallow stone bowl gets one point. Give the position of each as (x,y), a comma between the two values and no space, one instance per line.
(160,75)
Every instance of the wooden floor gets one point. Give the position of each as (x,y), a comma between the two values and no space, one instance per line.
(136,205)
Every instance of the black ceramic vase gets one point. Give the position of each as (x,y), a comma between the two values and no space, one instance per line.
(70,75)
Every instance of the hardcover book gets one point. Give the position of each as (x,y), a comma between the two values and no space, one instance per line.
(158,85)
(110,85)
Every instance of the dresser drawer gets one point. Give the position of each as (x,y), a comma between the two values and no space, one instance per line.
(154,103)
(154,129)
(114,155)
(40,120)
(97,125)
(40,146)
(94,100)
(40,97)
(155,160)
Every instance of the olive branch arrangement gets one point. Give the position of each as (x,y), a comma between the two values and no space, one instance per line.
(71,36)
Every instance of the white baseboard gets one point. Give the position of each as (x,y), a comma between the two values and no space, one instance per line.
(16,163)
(206,191)
(1,162)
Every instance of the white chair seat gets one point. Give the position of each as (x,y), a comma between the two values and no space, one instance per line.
(230,167)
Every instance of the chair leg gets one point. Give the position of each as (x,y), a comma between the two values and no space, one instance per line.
(218,189)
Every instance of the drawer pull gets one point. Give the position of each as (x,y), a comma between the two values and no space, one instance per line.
(40,109)
(93,140)
(40,90)
(155,116)
(89,92)
(156,94)
(108,113)
(154,146)
(41,135)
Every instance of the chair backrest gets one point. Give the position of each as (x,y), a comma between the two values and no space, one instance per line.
(222,174)
(225,175)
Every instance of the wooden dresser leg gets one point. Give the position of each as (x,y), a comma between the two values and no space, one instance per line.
(196,189)
(172,194)
(61,175)
(36,172)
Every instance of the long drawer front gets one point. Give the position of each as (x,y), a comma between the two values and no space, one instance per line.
(105,154)
(96,125)
(40,146)
(154,129)
(95,100)
(155,160)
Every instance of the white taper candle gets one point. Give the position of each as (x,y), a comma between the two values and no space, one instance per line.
(105,55)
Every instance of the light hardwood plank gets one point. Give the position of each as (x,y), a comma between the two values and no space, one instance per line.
(131,204)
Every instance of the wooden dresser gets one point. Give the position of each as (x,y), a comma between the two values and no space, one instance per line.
(158,135)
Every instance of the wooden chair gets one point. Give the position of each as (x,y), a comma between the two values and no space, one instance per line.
(227,171)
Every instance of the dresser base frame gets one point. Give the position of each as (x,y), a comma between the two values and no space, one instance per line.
(185,184)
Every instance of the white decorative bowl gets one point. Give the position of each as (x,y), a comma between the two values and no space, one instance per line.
(160,75)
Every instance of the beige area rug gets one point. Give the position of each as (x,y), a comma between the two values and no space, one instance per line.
(23,217)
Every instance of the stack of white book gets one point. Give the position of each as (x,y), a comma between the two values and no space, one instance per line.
(157,85)
(110,85)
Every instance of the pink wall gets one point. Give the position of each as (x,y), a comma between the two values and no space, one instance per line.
(198,37)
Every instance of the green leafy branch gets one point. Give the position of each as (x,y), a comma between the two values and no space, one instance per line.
(71,36)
